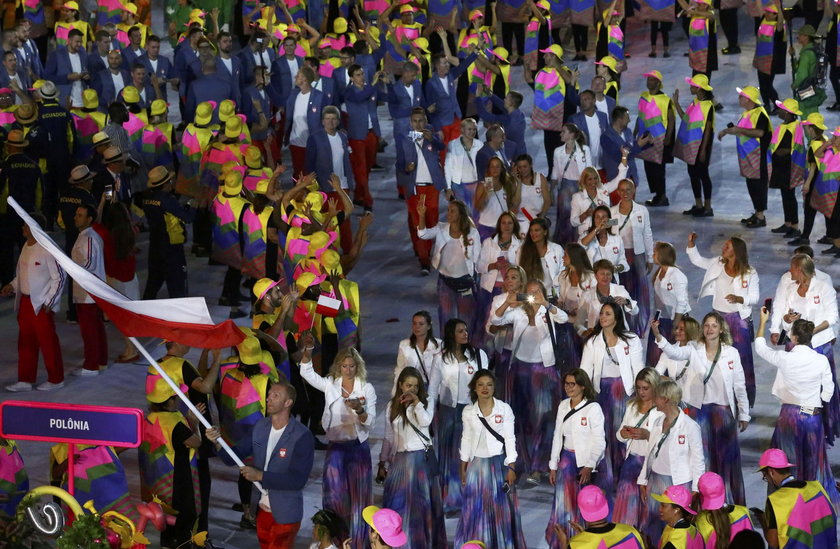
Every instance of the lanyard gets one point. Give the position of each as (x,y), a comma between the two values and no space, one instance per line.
(684,370)
(712,367)
(609,351)
(644,417)
(422,364)
(626,219)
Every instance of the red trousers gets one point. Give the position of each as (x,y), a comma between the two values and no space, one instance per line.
(423,248)
(37,333)
(450,133)
(362,158)
(346,228)
(92,326)
(298,161)
(275,536)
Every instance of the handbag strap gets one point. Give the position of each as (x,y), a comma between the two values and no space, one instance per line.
(626,219)
(422,364)
(569,414)
(712,367)
(683,371)
(496,435)
(427,442)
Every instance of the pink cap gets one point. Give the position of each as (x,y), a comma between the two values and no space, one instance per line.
(387,523)
(712,491)
(474,544)
(592,504)
(774,458)
(4,91)
(677,495)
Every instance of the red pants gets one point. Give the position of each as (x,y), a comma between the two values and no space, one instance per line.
(298,161)
(92,326)
(275,536)
(37,333)
(345,230)
(450,133)
(423,248)
(362,158)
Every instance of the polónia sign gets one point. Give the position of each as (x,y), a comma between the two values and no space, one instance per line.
(71,423)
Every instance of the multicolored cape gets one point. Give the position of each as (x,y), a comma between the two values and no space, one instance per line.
(156,457)
(658,10)
(698,43)
(805,517)
(621,536)
(194,142)
(682,538)
(583,12)
(653,118)
(242,402)
(98,475)
(254,234)
(33,11)
(549,100)
(749,148)
(87,124)
(690,134)
(14,482)
(108,11)
(826,183)
(798,155)
(763,59)
(227,227)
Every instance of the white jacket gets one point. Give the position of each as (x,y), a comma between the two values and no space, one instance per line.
(448,376)
(685,451)
(670,294)
(500,420)
(746,288)
(89,252)
(612,251)
(456,157)
(571,297)
(683,375)
(632,417)
(820,306)
(46,279)
(639,225)
(803,375)
(729,365)
(400,437)
(588,436)
(408,356)
(519,318)
(503,338)
(573,164)
(490,252)
(785,285)
(581,201)
(332,392)
(440,234)
(590,307)
(629,356)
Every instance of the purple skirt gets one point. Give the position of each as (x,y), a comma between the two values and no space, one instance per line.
(742,337)
(802,439)
(613,401)
(534,400)
(449,428)
(488,514)
(651,525)
(501,361)
(465,192)
(415,495)
(666,327)
(571,347)
(564,232)
(454,304)
(628,508)
(831,413)
(636,282)
(348,485)
(720,446)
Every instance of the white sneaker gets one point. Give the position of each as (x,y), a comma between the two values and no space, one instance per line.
(19,387)
(47,386)
(84,372)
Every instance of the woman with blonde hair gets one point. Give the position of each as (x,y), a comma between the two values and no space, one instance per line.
(500,339)
(686,332)
(592,194)
(670,295)
(349,414)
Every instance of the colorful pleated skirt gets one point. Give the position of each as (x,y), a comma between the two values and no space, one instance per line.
(628,508)
(488,514)
(636,282)
(449,428)
(455,304)
(564,232)
(831,413)
(414,493)
(743,334)
(534,400)
(501,361)
(348,485)
(802,438)
(666,327)
(570,349)
(720,446)
(613,402)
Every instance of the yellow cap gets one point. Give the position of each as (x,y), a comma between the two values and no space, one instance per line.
(331,261)
(699,81)
(340,25)
(407,8)
(90,99)
(556,49)
(751,93)
(318,241)
(159,107)
(475,14)
(609,61)
(422,44)
(262,186)
(789,105)
(130,7)
(233,183)
(253,157)
(161,393)
(262,286)
(70,5)
(130,94)
(233,127)
(307,279)
(227,109)
(250,351)
(815,119)
(501,53)
(203,113)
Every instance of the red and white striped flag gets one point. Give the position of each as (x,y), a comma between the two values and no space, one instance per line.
(327,306)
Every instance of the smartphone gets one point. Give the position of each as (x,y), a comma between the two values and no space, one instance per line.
(109,192)
(768,304)
(506,487)
(522,297)
(488,181)
(612,222)
(657,314)
(415,135)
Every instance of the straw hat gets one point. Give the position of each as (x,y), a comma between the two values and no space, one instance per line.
(158,176)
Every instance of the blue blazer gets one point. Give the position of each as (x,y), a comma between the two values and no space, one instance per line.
(25,82)
(248,64)
(328,89)
(184,57)
(235,78)
(319,159)
(129,57)
(57,69)
(611,144)
(164,66)
(513,123)
(445,101)
(370,61)
(407,154)
(104,85)
(485,153)
(95,64)
(579,120)
(361,103)
(313,112)
(207,88)
(400,105)
(33,58)
(250,94)
(282,80)
(339,76)
(288,468)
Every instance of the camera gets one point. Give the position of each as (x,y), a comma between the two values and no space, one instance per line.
(612,222)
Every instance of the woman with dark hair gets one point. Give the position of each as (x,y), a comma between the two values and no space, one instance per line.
(686,332)
(602,242)
(498,193)
(718,522)
(696,136)
(670,295)
(612,357)
(448,388)
(534,375)
(501,336)
(540,258)
(570,161)
(534,192)
(497,253)
(456,249)
(676,512)
(420,350)
(577,452)
(725,409)
(490,509)
(576,279)
(408,466)
(733,285)
(328,530)
(634,434)
(592,193)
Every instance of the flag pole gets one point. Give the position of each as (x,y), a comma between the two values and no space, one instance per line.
(180,394)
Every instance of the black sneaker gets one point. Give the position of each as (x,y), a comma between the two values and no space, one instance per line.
(718,107)
(748,220)
(825,240)
(800,241)
(704,212)
(666,54)
(734,50)
(831,251)
(781,229)
(793,233)
(247,524)
(756,223)
(657,201)
(834,107)
(692,210)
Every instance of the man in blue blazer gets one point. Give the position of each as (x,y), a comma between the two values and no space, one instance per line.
(441,94)
(618,137)
(110,82)
(9,70)
(97,59)
(133,51)
(283,451)
(302,117)
(495,144)
(229,67)
(156,64)
(512,119)
(208,87)
(254,54)
(403,96)
(360,100)
(283,72)
(340,77)
(603,102)
(68,66)
(592,122)
(29,48)
(324,85)
(420,177)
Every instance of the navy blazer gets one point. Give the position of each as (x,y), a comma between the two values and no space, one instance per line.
(184,57)
(282,80)
(165,69)
(361,104)
(33,57)
(485,153)
(341,81)
(288,468)
(250,94)
(59,67)
(319,159)
(400,105)
(513,122)
(445,101)
(370,61)
(25,82)
(579,120)
(95,64)
(235,77)
(313,112)
(328,89)
(407,154)
(129,57)
(611,144)
(104,85)
(246,55)
(207,88)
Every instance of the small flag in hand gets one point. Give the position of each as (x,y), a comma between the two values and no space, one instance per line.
(327,306)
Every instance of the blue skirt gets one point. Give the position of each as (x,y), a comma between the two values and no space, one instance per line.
(666,327)
(802,439)
(348,485)
(720,446)
(414,494)
(651,525)
(501,361)
(564,232)
(742,338)
(488,514)
(465,192)
(628,508)
(454,304)
(534,400)
(636,282)
(613,402)
(449,428)
(831,413)
(570,347)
